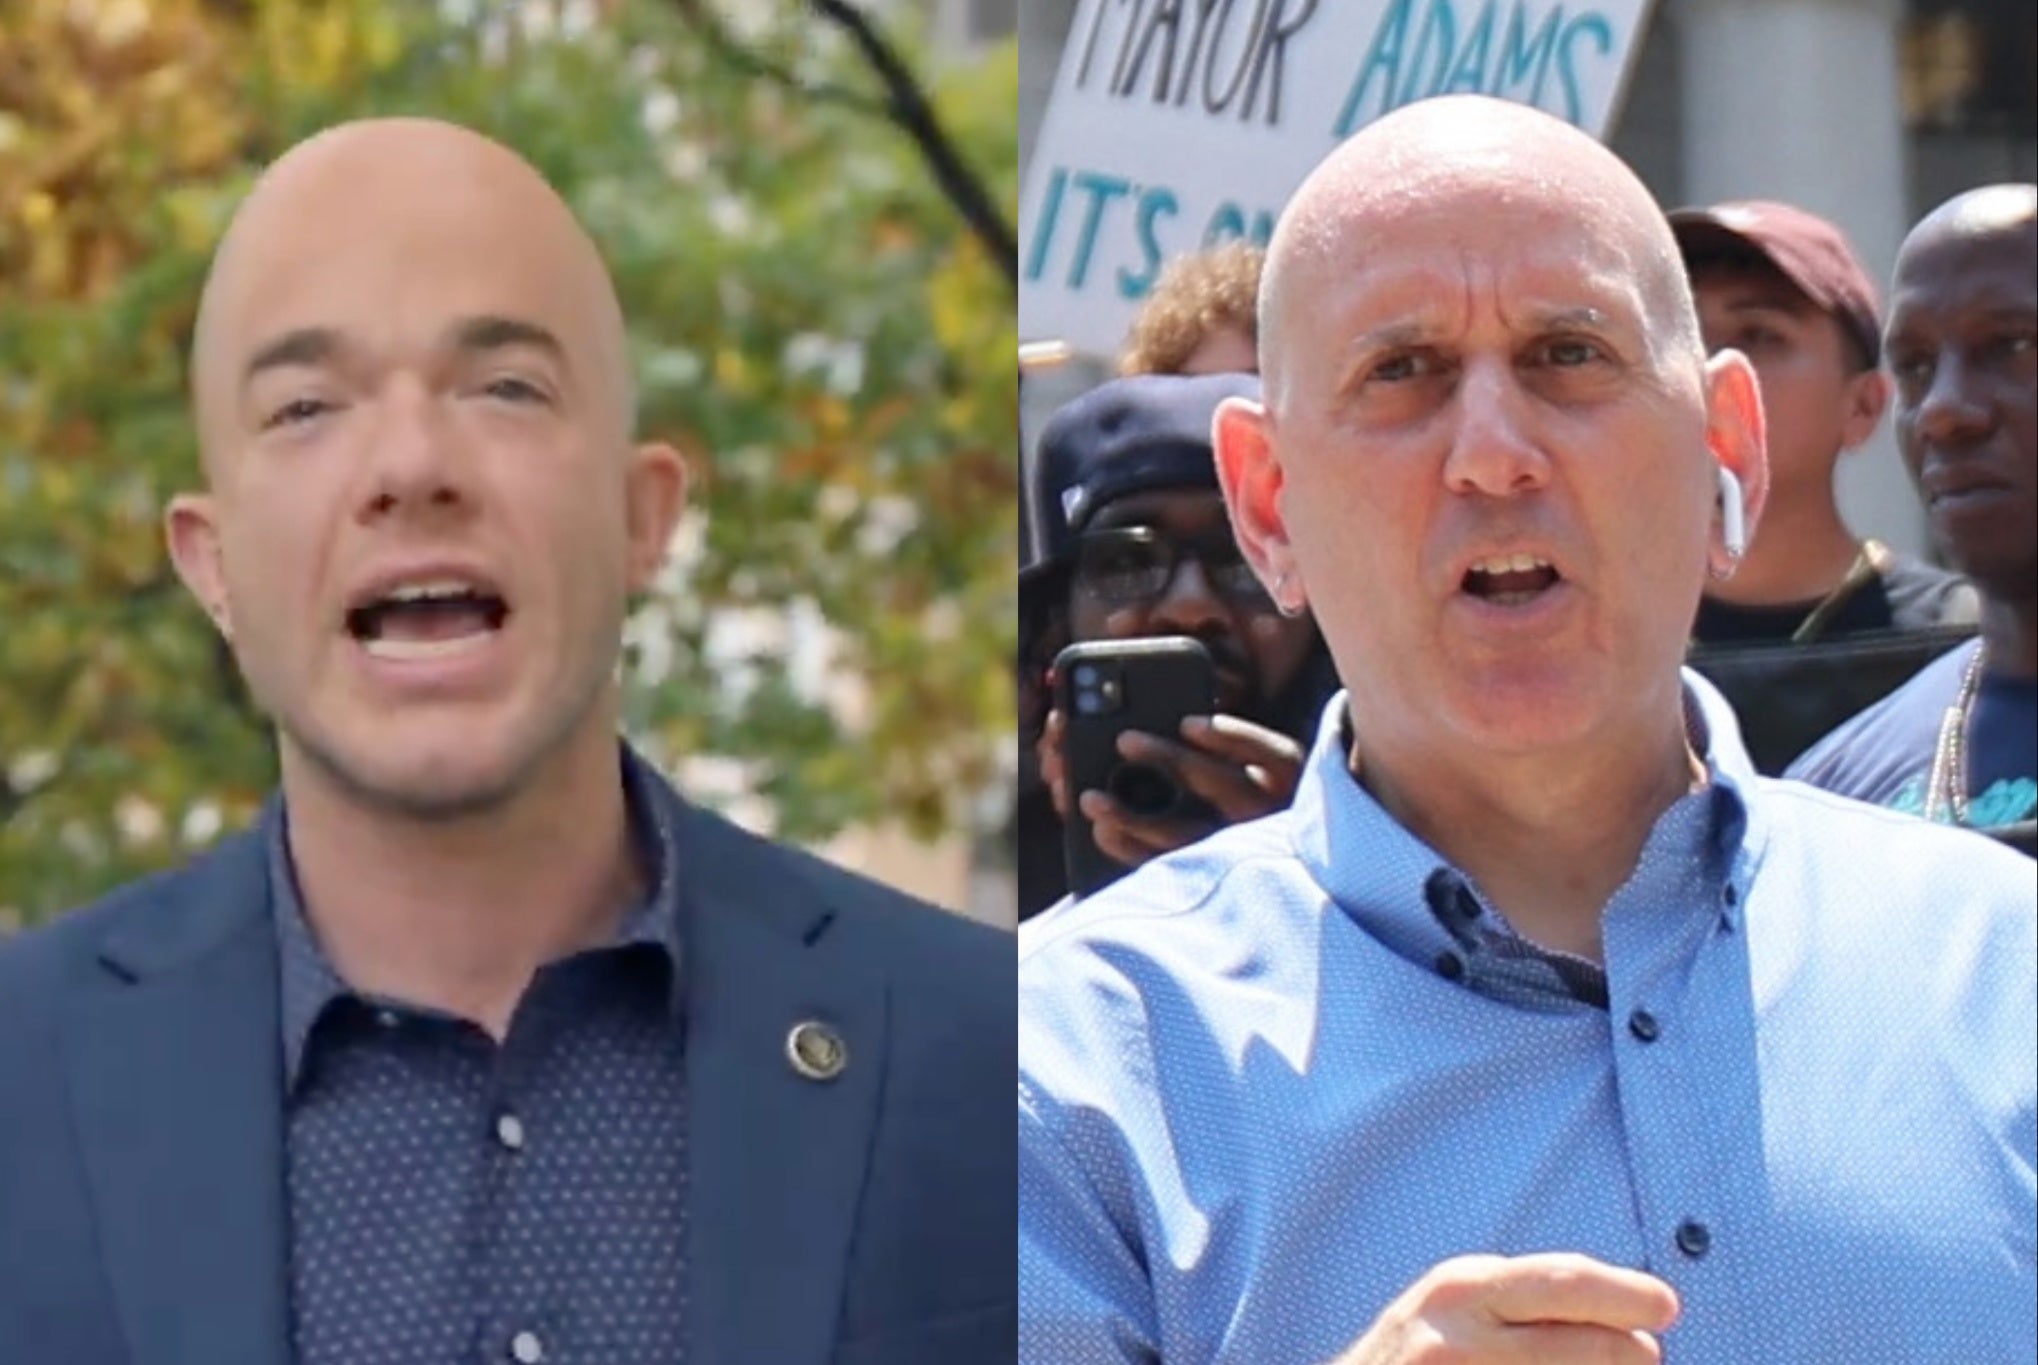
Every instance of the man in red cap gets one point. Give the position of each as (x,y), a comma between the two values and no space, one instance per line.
(1784,288)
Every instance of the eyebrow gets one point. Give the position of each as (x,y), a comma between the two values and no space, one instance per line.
(490,332)
(1791,304)
(303,346)
(2010,314)
(1390,337)
(473,336)
(1583,317)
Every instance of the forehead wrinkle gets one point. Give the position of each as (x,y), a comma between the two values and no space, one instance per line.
(1504,157)
(1528,296)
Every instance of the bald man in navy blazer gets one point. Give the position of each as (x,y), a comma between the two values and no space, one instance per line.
(483,1045)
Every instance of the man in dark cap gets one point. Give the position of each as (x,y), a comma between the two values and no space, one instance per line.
(1134,543)
(1784,288)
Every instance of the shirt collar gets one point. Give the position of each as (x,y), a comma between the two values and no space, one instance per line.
(1403,892)
(308,982)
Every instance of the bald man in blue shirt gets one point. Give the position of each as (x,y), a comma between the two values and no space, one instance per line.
(1541,1027)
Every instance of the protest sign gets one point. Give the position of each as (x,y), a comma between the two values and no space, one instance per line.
(1177,124)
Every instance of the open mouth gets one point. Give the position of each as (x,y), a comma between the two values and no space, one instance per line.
(427,620)
(1510,580)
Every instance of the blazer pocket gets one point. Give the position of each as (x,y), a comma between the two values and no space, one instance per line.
(975,1336)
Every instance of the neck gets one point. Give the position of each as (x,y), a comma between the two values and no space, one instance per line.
(1548,838)
(1801,552)
(459,915)
(2009,631)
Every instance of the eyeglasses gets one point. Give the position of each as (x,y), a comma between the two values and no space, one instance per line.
(1132,566)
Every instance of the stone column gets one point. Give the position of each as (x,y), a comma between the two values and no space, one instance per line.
(1797,100)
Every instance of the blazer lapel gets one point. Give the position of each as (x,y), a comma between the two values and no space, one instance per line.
(177,1090)
(777,1159)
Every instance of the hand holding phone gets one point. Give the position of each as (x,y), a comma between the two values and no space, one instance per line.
(1140,766)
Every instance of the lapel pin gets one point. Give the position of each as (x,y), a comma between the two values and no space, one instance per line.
(816,1051)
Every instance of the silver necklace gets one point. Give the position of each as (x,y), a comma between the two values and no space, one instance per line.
(1947,789)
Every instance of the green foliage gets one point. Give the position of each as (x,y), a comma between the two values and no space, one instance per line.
(811,323)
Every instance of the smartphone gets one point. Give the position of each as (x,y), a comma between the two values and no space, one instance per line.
(1102,689)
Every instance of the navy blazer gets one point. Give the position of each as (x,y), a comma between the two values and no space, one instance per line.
(864,1220)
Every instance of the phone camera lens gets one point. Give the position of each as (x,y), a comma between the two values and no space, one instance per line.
(1144,790)
(1086,675)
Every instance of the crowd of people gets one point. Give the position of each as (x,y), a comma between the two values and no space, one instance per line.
(1511,1007)
(1809,636)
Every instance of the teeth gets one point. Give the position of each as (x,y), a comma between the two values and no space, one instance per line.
(407,651)
(1514,563)
(430,590)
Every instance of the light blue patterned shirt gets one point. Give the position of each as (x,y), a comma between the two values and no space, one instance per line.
(1267,1082)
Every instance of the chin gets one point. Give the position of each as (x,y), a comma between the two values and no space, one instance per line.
(1506,730)
(1521,714)
(442,770)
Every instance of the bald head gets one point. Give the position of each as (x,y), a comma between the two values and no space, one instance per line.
(1475,155)
(1989,212)
(355,214)
(1963,305)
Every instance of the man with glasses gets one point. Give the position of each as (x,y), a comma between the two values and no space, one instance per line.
(1136,545)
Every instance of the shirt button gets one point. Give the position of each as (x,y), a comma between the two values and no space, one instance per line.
(1450,966)
(1694,1238)
(526,1349)
(509,1131)
(1644,1026)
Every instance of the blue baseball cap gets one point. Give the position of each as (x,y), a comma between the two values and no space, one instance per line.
(1132,435)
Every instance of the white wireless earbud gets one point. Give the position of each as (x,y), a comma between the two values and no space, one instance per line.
(1733,513)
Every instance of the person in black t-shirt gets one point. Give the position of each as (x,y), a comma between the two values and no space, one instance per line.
(1959,742)
(1784,288)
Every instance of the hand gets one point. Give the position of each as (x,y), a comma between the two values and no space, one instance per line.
(1554,1308)
(1242,770)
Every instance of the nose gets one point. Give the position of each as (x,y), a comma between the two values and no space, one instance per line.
(1492,450)
(414,461)
(1950,413)
(1189,605)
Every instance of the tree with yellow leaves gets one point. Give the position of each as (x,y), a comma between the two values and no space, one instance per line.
(812,320)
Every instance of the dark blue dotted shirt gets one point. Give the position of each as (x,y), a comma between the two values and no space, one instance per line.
(452,1200)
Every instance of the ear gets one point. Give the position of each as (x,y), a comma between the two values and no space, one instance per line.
(1867,398)
(654,496)
(191,529)
(1736,434)
(1241,436)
